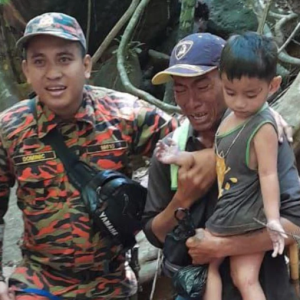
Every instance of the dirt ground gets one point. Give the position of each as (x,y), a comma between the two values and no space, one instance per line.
(12,234)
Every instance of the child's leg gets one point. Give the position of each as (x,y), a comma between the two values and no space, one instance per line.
(214,283)
(245,272)
(170,154)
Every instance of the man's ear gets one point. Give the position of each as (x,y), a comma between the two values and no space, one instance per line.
(275,84)
(87,63)
(25,71)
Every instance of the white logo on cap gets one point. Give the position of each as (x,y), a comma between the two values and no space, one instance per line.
(46,21)
(183,48)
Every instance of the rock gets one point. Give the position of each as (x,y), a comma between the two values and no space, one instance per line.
(230,16)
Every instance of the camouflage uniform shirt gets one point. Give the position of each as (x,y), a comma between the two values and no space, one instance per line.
(108,127)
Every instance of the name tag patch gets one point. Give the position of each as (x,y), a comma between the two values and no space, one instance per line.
(35,157)
(118,145)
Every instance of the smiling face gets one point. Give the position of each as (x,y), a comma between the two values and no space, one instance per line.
(57,72)
(201,100)
(246,96)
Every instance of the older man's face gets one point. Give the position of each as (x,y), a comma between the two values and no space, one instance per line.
(201,100)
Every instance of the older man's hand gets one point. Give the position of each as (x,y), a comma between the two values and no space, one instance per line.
(5,292)
(195,182)
(203,247)
(284,129)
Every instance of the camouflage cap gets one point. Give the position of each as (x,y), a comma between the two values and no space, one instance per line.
(54,24)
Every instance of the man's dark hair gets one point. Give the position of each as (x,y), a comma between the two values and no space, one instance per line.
(250,55)
(82,50)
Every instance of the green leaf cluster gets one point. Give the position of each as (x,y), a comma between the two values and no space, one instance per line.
(3,2)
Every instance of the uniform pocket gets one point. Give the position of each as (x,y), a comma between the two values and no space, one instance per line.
(112,156)
(37,182)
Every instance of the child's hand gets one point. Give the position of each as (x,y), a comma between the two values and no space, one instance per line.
(277,235)
(167,152)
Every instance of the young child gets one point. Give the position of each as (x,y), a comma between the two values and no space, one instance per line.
(246,147)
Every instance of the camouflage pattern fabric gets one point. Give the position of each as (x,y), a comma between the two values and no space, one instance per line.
(67,285)
(55,24)
(59,242)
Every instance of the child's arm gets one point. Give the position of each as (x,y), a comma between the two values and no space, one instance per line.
(169,153)
(266,148)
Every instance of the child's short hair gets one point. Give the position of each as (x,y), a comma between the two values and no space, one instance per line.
(249,54)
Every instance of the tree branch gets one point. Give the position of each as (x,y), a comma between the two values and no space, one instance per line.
(282,56)
(278,26)
(276,15)
(88,26)
(289,38)
(263,19)
(112,34)
(121,63)
(158,55)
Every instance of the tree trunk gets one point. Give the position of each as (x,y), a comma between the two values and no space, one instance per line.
(186,26)
(9,66)
(187,17)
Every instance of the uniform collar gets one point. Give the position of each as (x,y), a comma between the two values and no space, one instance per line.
(47,120)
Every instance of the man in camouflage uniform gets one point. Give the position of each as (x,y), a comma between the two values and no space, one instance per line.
(61,255)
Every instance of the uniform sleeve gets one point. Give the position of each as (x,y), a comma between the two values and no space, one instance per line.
(159,196)
(150,124)
(6,182)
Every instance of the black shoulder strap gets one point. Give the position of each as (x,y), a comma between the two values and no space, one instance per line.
(79,176)
(56,140)
(78,172)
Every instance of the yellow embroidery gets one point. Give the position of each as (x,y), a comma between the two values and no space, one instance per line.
(34,157)
(222,169)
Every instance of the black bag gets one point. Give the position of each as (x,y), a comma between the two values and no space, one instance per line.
(114,201)
(190,281)
(116,204)
(175,250)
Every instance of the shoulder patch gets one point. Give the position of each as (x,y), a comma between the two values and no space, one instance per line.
(117,145)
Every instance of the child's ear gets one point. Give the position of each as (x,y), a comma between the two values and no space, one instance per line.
(275,84)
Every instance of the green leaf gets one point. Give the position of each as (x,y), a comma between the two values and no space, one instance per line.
(3,2)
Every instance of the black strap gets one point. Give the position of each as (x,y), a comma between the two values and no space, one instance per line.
(78,172)
(56,140)
(68,158)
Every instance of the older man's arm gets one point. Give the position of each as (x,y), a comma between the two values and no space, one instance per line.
(204,247)
(162,202)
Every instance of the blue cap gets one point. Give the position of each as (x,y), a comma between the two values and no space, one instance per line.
(195,55)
